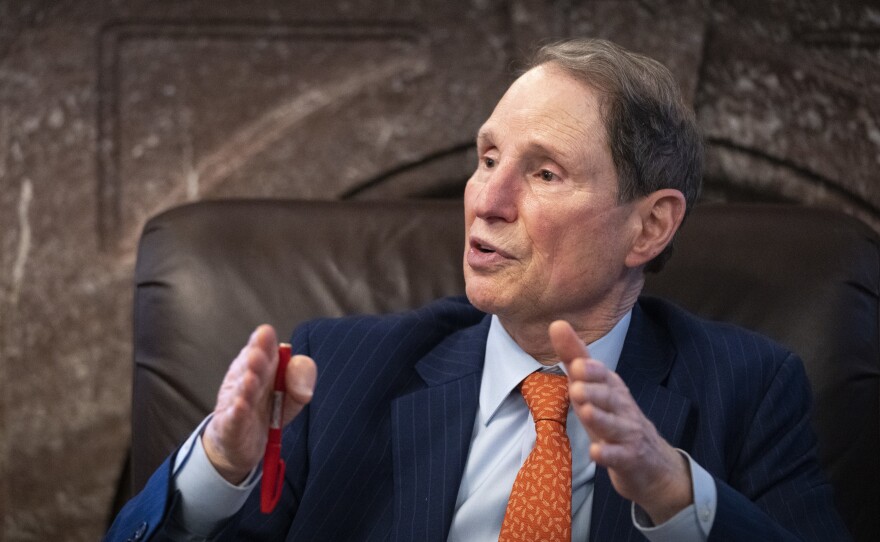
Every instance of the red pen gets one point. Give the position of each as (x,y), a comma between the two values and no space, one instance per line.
(273,465)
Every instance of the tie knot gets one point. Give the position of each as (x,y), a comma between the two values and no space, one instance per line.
(547,396)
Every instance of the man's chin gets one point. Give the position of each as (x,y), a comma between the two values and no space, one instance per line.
(484,299)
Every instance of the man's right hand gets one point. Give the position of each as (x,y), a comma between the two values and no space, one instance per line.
(235,438)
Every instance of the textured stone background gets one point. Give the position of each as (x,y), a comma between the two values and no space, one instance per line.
(112,111)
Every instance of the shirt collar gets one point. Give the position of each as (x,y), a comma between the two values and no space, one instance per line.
(506,364)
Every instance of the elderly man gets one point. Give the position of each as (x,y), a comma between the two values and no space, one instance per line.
(553,403)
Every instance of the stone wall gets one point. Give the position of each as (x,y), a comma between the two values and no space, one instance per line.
(113,111)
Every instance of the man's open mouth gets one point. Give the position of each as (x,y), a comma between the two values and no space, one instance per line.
(484,247)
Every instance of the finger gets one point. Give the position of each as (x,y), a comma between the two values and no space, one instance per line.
(265,339)
(600,395)
(300,379)
(250,385)
(606,395)
(613,379)
(611,455)
(260,357)
(567,345)
(261,339)
(255,381)
(588,370)
(602,425)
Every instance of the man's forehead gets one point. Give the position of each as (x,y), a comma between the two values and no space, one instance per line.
(546,97)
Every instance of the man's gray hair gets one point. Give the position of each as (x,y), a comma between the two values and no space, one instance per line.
(653,136)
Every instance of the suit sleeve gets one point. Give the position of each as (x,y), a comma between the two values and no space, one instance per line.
(142,516)
(776,489)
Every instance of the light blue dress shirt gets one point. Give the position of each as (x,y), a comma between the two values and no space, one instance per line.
(504,434)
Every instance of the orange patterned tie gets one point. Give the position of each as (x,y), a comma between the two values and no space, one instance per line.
(540,502)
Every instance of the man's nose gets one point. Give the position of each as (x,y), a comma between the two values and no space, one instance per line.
(498,196)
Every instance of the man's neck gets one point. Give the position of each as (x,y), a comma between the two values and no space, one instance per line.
(590,325)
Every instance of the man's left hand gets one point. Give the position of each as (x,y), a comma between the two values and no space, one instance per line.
(643,467)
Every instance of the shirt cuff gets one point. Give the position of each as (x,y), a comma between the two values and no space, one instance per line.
(693,522)
(206,498)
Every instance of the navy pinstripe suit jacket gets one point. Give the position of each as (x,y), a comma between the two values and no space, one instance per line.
(379,453)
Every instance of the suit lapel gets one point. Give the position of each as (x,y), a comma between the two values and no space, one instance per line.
(431,433)
(644,365)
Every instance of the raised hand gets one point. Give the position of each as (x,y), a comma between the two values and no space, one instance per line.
(643,467)
(235,437)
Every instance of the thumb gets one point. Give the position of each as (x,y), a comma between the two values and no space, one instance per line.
(566,343)
(300,383)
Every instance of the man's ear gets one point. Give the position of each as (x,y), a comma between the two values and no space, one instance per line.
(659,214)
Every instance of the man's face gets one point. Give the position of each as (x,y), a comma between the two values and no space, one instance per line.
(545,236)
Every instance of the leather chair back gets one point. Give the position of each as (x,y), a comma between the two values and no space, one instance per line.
(208,273)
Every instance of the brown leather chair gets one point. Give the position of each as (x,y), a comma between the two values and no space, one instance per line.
(209,272)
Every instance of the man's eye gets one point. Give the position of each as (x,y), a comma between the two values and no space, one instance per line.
(547,175)
(489,162)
